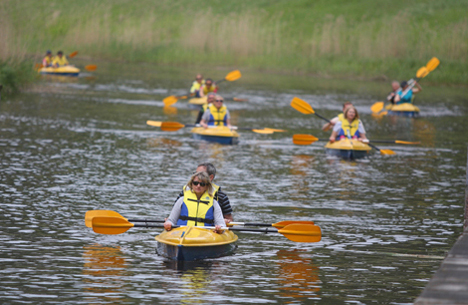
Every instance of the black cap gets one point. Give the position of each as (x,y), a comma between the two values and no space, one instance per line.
(403,84)
(49,52)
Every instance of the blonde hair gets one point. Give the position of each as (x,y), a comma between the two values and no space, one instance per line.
(349,108)
(202,177)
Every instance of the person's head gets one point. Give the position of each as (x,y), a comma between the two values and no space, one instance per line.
(207,167)
(199,78)
(219,101)
(351,113)
(404,84)
(395,85)
(211,97)
(200,183)
(346,105)
(49,53)
(208,82)
(59,53)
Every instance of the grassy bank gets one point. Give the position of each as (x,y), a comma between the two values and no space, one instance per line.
(365,38)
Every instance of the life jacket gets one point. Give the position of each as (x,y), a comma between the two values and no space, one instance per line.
(196,86)
(215,187)
(194,212)
(408,98)
(60,61)
(347,127)
(206,90)
(47,61)
(218,117)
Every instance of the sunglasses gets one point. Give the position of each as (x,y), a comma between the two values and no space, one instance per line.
(220,101)
(196,183)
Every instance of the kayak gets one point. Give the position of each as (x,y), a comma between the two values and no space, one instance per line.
(347,149)
(199,101)
(220,134)
(194,243)
(64,71)
(406,109)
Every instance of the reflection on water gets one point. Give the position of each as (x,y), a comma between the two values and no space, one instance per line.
(72,147)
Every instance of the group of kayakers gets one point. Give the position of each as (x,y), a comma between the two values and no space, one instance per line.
(201,202)
(58,61)
(201,87)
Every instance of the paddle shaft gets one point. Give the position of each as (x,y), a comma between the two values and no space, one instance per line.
(266,230)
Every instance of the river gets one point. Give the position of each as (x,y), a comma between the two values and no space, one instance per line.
(69,145)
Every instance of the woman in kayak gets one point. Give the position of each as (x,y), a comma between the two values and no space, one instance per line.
(197,207)
(349,126)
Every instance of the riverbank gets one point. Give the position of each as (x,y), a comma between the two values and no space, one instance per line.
(364,39)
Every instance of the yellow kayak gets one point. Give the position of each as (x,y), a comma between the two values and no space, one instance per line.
(64,71)
(219,134)
(199,101)
(194,243)
(348,149)
(405,109)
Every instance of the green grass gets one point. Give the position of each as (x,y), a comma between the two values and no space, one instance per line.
(360,38)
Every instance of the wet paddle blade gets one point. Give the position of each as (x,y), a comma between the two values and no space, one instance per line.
(154,123)
(233,75)
(377,107)
(407,143)
(275,130)
(170,100)
(301,106)
(432,64)
(91,68)
(240,99)
(422,72)
(388,152)
(263,131)
(304,139)
(171,126)
(285,223)
(38,66)
(110,225)
(95,213)
(73,54)
(302,233)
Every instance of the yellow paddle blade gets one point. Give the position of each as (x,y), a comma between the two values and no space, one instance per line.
(171,126)
(154,123)
(303,233)
(233,75)
(170,100)
(432,64)
(377,107)
(285,223)
(91,67)
(384,113)
(406,142)
(263,131)
(422,72)
(73,54)
(301,106)
(240,99)
(304,139)
(95,213)
(38,66)
(275,130)
(387,152)
(110,225)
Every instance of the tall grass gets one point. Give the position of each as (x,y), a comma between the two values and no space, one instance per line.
(362,37)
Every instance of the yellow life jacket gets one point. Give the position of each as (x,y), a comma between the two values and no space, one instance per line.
(60,61)
(341,116)
(217,116)
(196,212)
(216,189)
(207,90)
(47,61)
(346,127)
(196,86)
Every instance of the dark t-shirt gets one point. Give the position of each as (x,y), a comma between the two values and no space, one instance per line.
(222,199)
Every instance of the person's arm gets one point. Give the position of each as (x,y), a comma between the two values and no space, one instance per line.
(218,216)
(215,88)
(330,124)
(336,129)
(200,92)
(205,118)
(418,88)
(174,216)
(362,131)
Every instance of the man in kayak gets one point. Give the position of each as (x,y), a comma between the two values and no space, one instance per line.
(207,87)
(216,114)
(196,85)
(47,61)
(350,126)
(197,206)
(209,100)
(392,95)
(60,60)
(405,93)
(335,120)
(219,195)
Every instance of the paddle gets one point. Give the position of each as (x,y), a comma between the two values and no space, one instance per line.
(95,213)
(73,54)
(174,126)
(421,73)
(304,107)
(396,142)
(154,123)
(231,76)
(305,139)
(91,68)
(296,232)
